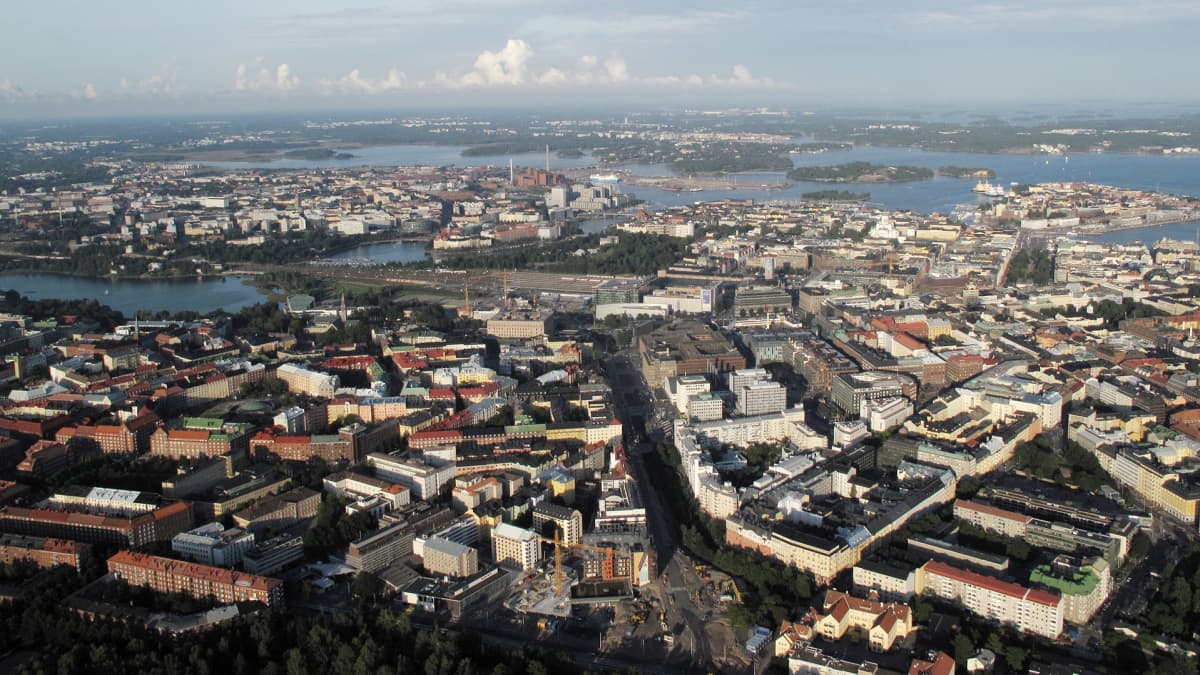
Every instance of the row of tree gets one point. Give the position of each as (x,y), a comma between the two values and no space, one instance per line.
(363,641)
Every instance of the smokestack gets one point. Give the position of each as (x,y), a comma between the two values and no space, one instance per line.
(511,178)
(547,158)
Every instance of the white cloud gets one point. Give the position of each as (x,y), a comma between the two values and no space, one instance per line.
(164,82)
(507,66)
(280,80)
(12,92)
(354,83)
(616,70)
(512,66)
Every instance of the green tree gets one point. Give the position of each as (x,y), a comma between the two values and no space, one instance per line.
(963,648)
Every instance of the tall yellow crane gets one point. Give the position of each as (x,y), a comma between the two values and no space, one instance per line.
(608,551)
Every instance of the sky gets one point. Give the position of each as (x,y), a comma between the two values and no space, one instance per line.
(82,57)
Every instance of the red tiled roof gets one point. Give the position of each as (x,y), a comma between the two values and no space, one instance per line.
(991,583)
(194,570)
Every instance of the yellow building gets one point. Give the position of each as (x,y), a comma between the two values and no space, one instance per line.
(882,623)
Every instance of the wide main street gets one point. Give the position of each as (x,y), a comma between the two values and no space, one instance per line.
(677,583)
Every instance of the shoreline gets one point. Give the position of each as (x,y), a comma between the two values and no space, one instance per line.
(250,157)
(223,274)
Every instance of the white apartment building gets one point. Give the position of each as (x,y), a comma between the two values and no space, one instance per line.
(302,380)
(788,424)
(1001,521)
(1028,609)
(448,558)
(293,420)
(515,547)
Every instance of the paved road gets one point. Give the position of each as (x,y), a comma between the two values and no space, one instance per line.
(678,574)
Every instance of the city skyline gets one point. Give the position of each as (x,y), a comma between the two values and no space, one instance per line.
(343,55)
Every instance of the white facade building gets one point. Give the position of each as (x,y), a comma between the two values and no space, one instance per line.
(516,547)
(424,479)
(882,414)
(212,544)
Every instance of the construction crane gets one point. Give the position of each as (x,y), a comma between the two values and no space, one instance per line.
(608,551)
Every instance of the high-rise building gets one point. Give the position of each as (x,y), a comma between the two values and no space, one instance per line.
(513,546)
(849,390)
(448,558)
(566,523)
(760,397)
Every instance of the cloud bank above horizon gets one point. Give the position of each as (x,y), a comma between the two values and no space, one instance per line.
(222,54)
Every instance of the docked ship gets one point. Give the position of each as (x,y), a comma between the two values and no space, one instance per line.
(983,187)
(608,178)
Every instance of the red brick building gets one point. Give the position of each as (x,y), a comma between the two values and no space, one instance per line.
(45,552)
(166,575)
(128,438)
(158,525)
(328,447)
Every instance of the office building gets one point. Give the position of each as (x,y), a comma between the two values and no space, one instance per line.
(705,407)
(357,487)
(849,390)
(274,554)
(425,479)
(376,550)
(882,414)
(683,387)
(761,397)
(686,348)
(521,324)
(751,301)
(279,511)
(212,544)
